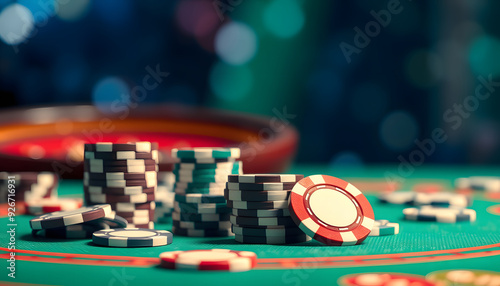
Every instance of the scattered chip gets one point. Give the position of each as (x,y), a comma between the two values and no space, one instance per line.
(384,227)
(66,218)
(398,198)
(209,259)
(132,237)
(437,214)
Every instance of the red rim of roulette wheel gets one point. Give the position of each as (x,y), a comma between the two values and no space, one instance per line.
(52,138)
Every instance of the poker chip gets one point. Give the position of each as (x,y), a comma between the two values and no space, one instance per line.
(259,187)
(113,169)
(257,205)
(191,190)
(119,163)
(398,198)
(264,178)
(201,232)
(209,260)
(66,218)
(384,227)
(256,196)
(203,179)
(77,231)
(121,183)
(112,220)
(149,176)
(104,198)
(200,198)
(199,217)
(29,185)
(282,231)
(206,160)
(439,214)
(464,277)
(132,237)
(199,205)
(201,208)
(144,147)
(261,213)
(150,225)
(205,153)
(483,183)
(223,225)
(49,205)
(384,279)
(128,207)
(133,190)
(331,210)
(122,155)
(261,221)
(442,199)
(136,213)
(195,166)
(271,239)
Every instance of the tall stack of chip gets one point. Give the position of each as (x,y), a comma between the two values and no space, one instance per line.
(124,176)
(28,185)
(164,197)
(200,207)
(260,208)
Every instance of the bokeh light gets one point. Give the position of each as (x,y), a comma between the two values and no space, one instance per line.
(73,10)
(284,18)
(346,159)
(16,24)
(110,91)
(41,10)
(236,43)
(230,83)
(484,56)
(398,130)
(197,17)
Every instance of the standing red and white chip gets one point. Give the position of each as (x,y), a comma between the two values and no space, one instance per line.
(209,259)
(331,210)
(49,205)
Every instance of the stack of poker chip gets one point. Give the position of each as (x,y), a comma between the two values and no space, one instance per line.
(28,186)
(260,208)
(200,207)
(124,176)
(76,224)
(164,197)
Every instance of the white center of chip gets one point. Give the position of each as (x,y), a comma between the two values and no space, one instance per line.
(333,208)
(135,233)
(196,256)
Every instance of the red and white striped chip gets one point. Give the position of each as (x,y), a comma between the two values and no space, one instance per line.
(331,210)
(49,205)
(209,259)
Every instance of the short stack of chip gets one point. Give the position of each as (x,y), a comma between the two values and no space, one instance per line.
(124,176)
(200,207)
(164,197)
(479,183)
(260,212)
(28,185)
(76,224)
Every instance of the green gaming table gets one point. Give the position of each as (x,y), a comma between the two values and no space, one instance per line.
(419,249)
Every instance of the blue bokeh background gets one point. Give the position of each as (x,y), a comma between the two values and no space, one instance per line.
(365,79)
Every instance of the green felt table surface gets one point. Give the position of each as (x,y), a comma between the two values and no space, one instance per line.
(413,237)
